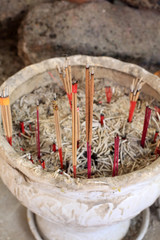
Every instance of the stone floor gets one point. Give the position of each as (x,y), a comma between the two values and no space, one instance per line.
(13,221)
(14,226)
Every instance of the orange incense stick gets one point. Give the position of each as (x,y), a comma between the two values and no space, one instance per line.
(58,131)
(6,115)
(74,127)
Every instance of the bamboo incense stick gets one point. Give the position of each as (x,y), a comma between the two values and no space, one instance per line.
(74,127)
(38,134)
(145,126)
(87,103)
(58,131)
(116,156)
(135,89)
(6,115)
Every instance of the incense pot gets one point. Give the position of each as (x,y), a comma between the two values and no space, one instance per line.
(78,209)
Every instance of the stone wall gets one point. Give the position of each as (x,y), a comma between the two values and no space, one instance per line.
(35,30)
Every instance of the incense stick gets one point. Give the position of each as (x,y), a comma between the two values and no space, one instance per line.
(22,127)
(145,126)
(74,127)
(78,128)
(6,115)
(116,156)
(108,91)
(89,115)
(38,134)
(58,132)
(155,136)
(102,119)
(66,78)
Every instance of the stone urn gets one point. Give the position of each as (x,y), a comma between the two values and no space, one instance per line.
(79,209)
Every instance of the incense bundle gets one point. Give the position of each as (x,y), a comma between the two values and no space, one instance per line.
(108,91)
(66,78)
(134,94)
(74,127)
(58,132)
(6,115)
(116,156)
(145,126)
(89,115)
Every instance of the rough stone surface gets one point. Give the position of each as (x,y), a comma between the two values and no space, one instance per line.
(12,11)
(10,63)
(151,4)
(93,29)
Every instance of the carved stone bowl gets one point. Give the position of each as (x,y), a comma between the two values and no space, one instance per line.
(78,209)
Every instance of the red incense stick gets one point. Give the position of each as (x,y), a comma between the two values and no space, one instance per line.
(43,164)
(22,127)
(155,136)
(58,131)
(108,91)
(102,119)
(60,157)
(157,150)
(54,147)
(38,133)
(131,110)
(116,156)
(145,126)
